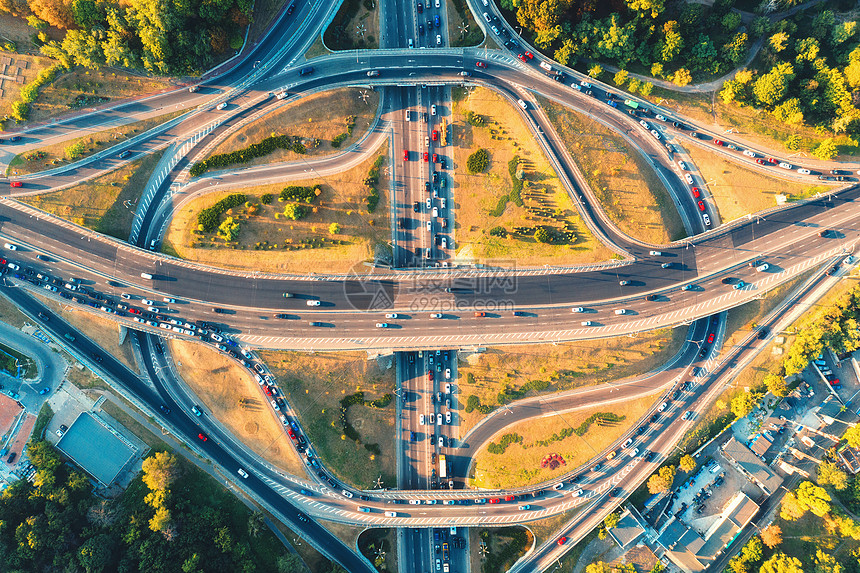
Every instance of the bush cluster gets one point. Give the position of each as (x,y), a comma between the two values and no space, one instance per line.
(207,219)
(264,147)
(498,231)
(475,119)
(266,198)
(372,180)
(474,403)
(478,161)
(30,91)
(294,211)
(503,444)
(357,399)
(299,194)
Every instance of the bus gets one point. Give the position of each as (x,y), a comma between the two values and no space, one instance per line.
(443,133)
(443,467)
(631,103)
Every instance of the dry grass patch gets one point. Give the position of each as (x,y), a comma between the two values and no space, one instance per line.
(132,425)
(551,368)
(320,117)
(231,395)
(51,156)
(22,66)
(624,183)
(315,384)
(520,464)
(83,88)
(757,127)
(484,201)
(738,190)
(105,204)
(10,314)
(102,331)
(278,244)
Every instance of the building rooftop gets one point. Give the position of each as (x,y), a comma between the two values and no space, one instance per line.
(752,466)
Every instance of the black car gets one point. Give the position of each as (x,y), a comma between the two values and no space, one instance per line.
(218,310)
(364,498)
(290,10)
(302,517)
(651,297)
(165,410)
(762,334)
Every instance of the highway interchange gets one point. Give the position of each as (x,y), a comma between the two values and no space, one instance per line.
(519,306)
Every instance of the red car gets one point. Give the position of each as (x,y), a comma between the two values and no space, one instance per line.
(696,193)
(426,157)
(711,338)
(772,160)
(522,57)
(203,436)
(480,314)
(134,311)
(718,142)
(435,135)
(834,382)
(435,158)
(268,390)
(509,498)
(701,206)
(530,56)
(562,540)
(405,155)
(15,184)
(291,433)
(481,64)
(761,161)
(495,500)
(429,375)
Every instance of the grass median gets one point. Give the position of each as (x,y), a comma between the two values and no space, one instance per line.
(624,183)
(229,393)
(335,234)
(738,190)
(105,204)
(514,211)
(501,375)
(575,436)
(317,386)
(340,115)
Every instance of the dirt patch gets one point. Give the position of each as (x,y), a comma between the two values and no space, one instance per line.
(231,395)
(52,156)
(538,369)
(624,183)
(318,117)
(315,384)
(105,204)
(102,331)
(278,244)
(520,463)
(496,223)
(737,190)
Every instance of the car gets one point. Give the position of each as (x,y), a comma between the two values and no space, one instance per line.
(434,135)
(202,437)
(662,406)
(824,233)
(718,142)
(426,157)
(436,160)
(421,420)
(706,219)
(558,486)
(682,165)
(447,377)
(655,253)
(701,206)
(696,193)
(711,338)
(169,300)
(15,184)
(313,302)
(420,7)
(530,56)
(510,498)
(804,171)
(587,323)
(495,500)
(10,246)
(652,296)
(785,165)
(242,473)
(739,285)
(196,411)
(437,21)
(762,267)
(405,155)
(762,334)
(346,494)
(433,109)
(623,283)
(481,64)
(480,314)
(688,178)
(749,153)
(577,493)
(524,507)
(372,73)
(562,540)
(761,161)
(522,57)
(439,37)
(577,309)
(435,315)
(667,265)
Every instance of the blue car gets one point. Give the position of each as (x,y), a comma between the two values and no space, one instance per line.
(45,390)
(437,21)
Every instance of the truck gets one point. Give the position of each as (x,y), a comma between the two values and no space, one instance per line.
(443,133)
(443,467)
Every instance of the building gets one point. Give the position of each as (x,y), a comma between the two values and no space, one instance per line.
(750,465)
(99,449)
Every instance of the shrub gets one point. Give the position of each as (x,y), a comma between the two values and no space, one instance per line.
(20,110)
(542,235)
(475,119)
(75,150)
(338,139)
(266,198)
(500,206)
(264,147)
(498,231)
(295,211)
(515,195)
(334,229)
(299,194)
(503,444)
(207,219)
(478,161)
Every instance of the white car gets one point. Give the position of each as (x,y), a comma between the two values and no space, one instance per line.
(346,494)
(421,420)
(448,384)
(706,219)
(577,493)
(426,141)
(432,419)
(688,178)
(438,40)
(437,4)
(11,247)
(147,302)
(447,377)
(587,323)
(242,473)
(620,311)
(435,211)
(623,283)
(682,165)
(313,303)
(804,171)
(414,502)
(436,315)
(390,514)
(656,134)
(124,295)
(381,325)
(444,244)
(168,299)
(441,441)
(762,267)
(644,124)
(433,109)
(785,165)
(655,253)
(660,117)
(439,419)
(558,486)
(577,309)
(428,203)
(391,315)
(448,418)
(662,406)
(152,309)
(429,226)
(749,153)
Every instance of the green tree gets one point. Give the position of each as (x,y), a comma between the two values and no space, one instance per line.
(760,26)
(657,70)
(781,563)
(75,150)
(753,551)
(807,50)
(294,211)
(229,229)
(830,474)
(621,77)
(814,498)
(778,42)
(478,162)
(95,553)
(542,235)
(789,112)
(852,436)
(334,229)
(645,88)
(826,150)
(826,563)
(843,32)
(682,77)
(743,403)
(611,521)
(770,88)
(736,49)
(793,144)
(160,470)
(595,71)
(598,567)
(648,7)
(776,385)
(541,15)
(731,21)
(670,45)
(687,463)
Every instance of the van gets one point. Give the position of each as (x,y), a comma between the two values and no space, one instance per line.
(522,104)
(546,66)
(146,276)
(282,94)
